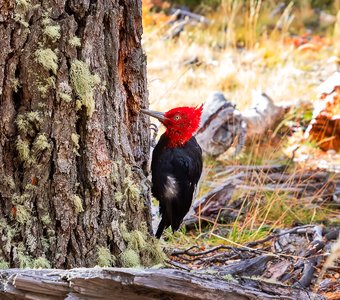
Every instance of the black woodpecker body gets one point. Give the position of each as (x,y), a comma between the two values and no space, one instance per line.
(176,165)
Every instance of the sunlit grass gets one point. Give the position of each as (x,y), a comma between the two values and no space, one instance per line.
(205,58)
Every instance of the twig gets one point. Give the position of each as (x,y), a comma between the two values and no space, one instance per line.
(177,265)
(258,250)
(251,168)
(272,236)
(308,272)
(269,188)
(187,251)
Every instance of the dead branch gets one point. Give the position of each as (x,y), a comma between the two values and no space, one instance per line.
(247,267)
(213,201)
(298,229)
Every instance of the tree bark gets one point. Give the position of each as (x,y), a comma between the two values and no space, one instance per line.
(73,148)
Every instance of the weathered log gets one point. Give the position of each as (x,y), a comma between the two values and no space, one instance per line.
(223,125)
(115,283)
(211,204)
(182,14)
(247,267)
(325,125)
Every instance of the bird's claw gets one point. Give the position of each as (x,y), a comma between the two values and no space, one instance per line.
(154,127)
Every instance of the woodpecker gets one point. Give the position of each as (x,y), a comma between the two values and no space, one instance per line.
(176,164)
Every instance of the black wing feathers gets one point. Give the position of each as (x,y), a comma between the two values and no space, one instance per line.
(176,170)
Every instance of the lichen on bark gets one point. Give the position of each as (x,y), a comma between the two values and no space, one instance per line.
(72,80)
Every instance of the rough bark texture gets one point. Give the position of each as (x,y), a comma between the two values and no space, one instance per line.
(73,147)
(113,283)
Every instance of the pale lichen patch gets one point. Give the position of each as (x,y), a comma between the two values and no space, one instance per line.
(48,59)
(129,258)
(23,215)
(41,143)
(3,264)
(23,150)
(77,204)
(65,97)
(23,5)
(83,83)
(104,257)
(75,41)
(75,140)
(41,263)
(53,32)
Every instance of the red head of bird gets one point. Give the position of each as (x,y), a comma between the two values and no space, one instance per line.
(181,123)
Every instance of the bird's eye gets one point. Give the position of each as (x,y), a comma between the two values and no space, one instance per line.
(176,117)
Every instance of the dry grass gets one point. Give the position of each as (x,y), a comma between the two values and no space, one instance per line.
(205,58)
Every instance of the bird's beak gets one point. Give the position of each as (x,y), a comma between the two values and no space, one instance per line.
(158,115)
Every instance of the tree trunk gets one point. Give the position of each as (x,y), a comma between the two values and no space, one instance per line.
(73,147)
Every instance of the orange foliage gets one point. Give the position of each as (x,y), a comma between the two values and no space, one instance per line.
(325,126)
(153,12)
(307,42)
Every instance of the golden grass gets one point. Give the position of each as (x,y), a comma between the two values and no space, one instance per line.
(267,63)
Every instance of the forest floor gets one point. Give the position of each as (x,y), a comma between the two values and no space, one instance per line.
(285,232)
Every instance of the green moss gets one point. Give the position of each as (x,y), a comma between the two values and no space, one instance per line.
(3,264)
(132,190)
(75,140)
(7,237)
(137,240)
(41,143)
(140,243)
(65,97)
(152,253)
(129,258)
(75,41)
(25,261)
(77,204)
(83,82)
(23,149)
(48,59)
(104,257)
(45,244)
(40,263)
(53,32)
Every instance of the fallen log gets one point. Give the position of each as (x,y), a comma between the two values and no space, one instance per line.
(223,125)
(324,128)
(211,204)
(121,283)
